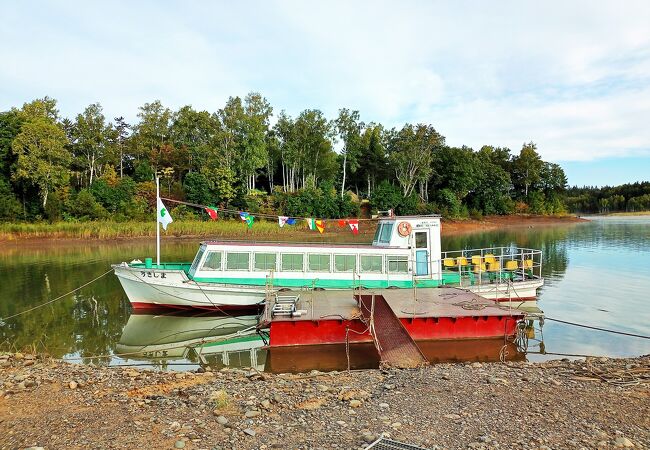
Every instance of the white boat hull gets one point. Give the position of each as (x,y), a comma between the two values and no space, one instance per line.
(161,288)
(518,293)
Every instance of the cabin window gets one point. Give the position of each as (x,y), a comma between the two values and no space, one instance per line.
(377,233)
(292,262)
(197,259)
(212,261)
(398,264)
(370,263)
(265,261)
(386,233)
(237,261)
(319,263)
(345,263)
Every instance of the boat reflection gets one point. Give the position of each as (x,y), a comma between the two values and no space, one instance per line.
(219,341)
(174,337)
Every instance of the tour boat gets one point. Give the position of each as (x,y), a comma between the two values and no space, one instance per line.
(405,253)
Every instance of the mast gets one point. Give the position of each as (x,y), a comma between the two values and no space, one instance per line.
(157,222)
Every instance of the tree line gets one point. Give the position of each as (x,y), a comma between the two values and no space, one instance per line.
(243,156)
(630,197)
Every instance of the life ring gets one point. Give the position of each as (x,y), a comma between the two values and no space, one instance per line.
(404,229)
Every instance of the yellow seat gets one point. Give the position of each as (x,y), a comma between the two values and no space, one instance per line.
(477,259)
(449,262)
(462,261)
(489,258)
(511,265)
(494,266)
(527,264)
(478,268)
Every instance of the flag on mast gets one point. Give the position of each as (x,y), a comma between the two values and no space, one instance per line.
(163,215)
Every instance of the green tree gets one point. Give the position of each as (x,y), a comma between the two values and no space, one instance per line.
(372,157)
(152,133)
(526,168)
(348,126)
(43,159)
(92,138)
(411,153)
(254,154)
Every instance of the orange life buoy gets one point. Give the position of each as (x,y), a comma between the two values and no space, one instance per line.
(404,229)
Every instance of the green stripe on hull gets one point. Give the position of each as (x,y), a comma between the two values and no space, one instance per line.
(328,284)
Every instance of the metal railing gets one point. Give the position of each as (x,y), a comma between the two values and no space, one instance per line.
(493,264)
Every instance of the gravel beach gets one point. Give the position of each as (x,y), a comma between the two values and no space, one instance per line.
(593,403)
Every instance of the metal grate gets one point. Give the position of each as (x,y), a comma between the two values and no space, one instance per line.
(395,345)
(387,444)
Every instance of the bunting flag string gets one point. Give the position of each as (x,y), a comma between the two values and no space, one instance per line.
(312,223)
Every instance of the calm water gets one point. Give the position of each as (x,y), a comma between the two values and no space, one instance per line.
(597,273)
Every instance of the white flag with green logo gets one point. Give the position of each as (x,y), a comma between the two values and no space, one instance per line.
(163,215)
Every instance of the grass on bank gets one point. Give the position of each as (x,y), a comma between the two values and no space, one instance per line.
(235,229)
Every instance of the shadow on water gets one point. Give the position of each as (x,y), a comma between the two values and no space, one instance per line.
(596,273)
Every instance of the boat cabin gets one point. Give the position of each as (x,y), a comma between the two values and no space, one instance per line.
(403,249)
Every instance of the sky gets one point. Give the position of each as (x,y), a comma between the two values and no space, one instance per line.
(573,77)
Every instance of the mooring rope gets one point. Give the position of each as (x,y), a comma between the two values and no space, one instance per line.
(641,336)
(2,319)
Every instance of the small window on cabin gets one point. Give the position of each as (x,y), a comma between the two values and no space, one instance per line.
(197,259)
(377,233)
(265,261)
(319,263)
(212,261)
(345,263)
(370,263)
(292,262)
(421,240)
(386,233)
(237,261)
(398,264)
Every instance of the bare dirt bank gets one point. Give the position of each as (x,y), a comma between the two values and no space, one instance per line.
(488,223)
(598,403)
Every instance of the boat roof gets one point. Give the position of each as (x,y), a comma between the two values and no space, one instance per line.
(293,244)
(424,216)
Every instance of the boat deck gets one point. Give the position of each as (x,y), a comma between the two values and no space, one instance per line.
(334,317)
(439,302)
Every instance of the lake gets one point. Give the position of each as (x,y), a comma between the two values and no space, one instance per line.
(597,273)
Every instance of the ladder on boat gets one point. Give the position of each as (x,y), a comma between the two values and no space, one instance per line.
(395,346)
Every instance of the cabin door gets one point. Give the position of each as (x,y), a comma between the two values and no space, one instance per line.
(422,250)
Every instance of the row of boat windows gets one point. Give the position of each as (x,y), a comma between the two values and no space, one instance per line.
(295,262)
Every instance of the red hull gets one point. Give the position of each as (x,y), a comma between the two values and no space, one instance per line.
(333,331)
(141,306)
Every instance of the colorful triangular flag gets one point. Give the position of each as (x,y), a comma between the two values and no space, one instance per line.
(354,225)
(320,225)
(212,212)
(341,223)
(291,221)
(311,223)
(245,217)
(282,220)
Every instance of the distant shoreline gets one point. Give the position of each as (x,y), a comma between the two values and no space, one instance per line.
(262,230)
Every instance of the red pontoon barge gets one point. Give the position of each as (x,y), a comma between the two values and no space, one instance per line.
(338,317)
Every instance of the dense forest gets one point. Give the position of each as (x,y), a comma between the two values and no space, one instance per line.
(244,157)
(631,197)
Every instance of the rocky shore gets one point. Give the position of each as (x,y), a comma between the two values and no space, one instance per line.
(597,403)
